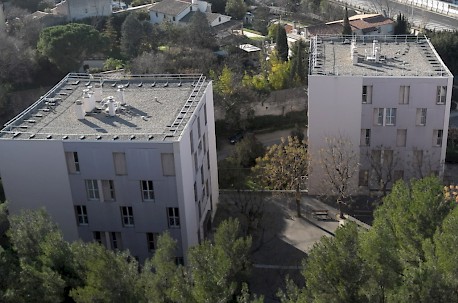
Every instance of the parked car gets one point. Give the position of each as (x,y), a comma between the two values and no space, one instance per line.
(237,137)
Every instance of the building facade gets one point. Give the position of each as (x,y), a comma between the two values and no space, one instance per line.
(180,12)
(80,9)
(117,160)
(388,96)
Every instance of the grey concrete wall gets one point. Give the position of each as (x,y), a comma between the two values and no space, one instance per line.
(334,110)
(34,175)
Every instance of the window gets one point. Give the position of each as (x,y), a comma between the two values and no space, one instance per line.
(376,156)
(390,116)
(384,116)
(173,217)
(156,14)
(115,240)
(441,94)
(421,116)
(378,116)
(147,190)
(99,237)
(367,94)
(151,240)
(127,216)
(179,261)
(173,18)
(404,93)
(120,165)
(365,137)
(205,113)
(81,215)
(208,160)
(168,164)
(200,146)
(108,190)
(401,137)
(198,126)
(438,134)
(92,190)
(73,164)
(363,178)
(191,137)
(388,157)
(418,157)
(398,175)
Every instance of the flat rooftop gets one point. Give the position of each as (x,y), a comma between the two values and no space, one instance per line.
(397,56)
(151,108)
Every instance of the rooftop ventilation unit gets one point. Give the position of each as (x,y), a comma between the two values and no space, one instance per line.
(122,100)
(98,92)
(111,106)
(79,110)
(88,100)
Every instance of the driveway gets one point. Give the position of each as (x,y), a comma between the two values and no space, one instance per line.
(267,139)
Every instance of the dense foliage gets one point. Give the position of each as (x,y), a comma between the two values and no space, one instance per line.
(67,45)
(49,269)
(409,254)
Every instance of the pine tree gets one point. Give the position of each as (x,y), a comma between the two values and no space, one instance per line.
(346,24)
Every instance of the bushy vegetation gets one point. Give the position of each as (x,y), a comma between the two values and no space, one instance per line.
(50,269)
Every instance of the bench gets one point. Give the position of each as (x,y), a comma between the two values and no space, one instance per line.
(320,213)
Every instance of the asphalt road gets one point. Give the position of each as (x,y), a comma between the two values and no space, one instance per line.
(267,139)
(417,16)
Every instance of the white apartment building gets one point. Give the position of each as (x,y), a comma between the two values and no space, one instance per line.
(117,160)
(387,95)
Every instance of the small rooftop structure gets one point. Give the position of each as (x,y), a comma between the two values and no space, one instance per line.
(375,56)
(103,107)
(249,48)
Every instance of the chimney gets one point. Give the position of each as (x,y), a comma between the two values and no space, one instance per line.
(88,101)
(97,92)
(374,47)
(79,110)
(111,106)
(353,51)
(122,101)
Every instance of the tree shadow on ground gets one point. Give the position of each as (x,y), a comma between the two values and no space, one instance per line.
(273,257)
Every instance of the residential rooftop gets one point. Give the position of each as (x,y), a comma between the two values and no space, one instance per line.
(385,56)
(103,107)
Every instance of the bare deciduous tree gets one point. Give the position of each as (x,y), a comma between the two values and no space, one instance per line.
(383,163)
(340,165)
(251,206)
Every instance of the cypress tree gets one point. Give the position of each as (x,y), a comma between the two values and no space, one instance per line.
(282,43)
(346,24)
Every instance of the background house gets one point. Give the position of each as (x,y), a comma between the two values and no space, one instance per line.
(364,24)
(180,12)
(80,9)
